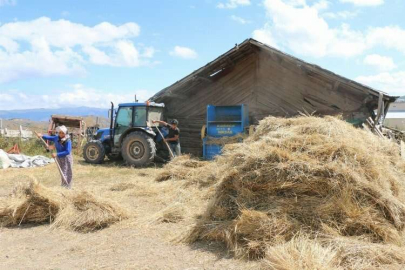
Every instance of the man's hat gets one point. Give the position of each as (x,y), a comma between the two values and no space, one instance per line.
(174,122)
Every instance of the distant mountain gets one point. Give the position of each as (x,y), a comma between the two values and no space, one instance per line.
(44,114)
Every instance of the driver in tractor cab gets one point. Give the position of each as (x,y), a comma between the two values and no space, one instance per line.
(173,136)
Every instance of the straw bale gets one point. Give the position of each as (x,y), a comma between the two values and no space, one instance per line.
(29,204)
(86,213)
(306,174)
(33,203)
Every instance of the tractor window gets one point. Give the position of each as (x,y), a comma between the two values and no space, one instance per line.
(155,114)
(140,117)
(124,117)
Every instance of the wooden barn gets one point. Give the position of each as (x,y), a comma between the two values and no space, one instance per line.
(270,82)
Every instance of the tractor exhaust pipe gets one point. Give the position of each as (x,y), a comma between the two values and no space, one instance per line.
(111,125)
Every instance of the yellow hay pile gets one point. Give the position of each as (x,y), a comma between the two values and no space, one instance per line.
(317,177)
(34,204)
(307,254)
(86,213)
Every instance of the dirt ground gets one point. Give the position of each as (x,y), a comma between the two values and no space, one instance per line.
(141,242)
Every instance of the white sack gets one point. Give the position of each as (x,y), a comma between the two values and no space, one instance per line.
(5,162)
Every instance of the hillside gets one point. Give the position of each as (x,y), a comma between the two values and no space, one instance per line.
(43,114)
(42,126)
(15,124)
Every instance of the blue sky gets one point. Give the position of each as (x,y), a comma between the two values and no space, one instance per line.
(85,53)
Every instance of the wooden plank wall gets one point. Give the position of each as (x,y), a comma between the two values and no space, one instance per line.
(285,89)
(233,88)
(269,85)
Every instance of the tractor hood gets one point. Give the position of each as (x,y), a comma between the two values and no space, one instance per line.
(103,134)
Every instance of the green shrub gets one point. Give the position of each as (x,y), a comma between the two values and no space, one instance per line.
(30,147)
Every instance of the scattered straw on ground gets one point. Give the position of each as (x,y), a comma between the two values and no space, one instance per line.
(183,167)
(35,204)
(122,186)
(171,214)
(316,177)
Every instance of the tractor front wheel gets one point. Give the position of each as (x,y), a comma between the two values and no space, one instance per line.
(138,149)
(94,152)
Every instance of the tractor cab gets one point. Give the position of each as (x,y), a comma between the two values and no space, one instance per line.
(131,135)
(132,116)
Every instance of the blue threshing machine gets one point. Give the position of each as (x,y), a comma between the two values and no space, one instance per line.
(223,121)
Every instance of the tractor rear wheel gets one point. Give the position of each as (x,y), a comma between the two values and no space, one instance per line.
(94,152)
(138,149)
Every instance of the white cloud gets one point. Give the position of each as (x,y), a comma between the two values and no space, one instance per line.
(184,52)
(391,83)
(72,96)
(239,19)
(8,44)
(301,28)
(22,95)
(63,33)
(364,2)
(63,47)
(383,63)
(265,35)
(344,15)
(40,61)
(8,2)
(321,5)
(126,54)
(6,98)
(234,4)
(97,56)
(391,37)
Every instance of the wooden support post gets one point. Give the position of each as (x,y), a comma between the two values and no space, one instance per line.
(380,109)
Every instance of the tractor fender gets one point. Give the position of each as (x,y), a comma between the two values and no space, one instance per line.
(148,131)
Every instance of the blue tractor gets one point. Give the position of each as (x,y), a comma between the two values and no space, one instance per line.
(131,135)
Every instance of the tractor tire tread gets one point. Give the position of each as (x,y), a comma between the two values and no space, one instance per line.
(101,149)
(150,149)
